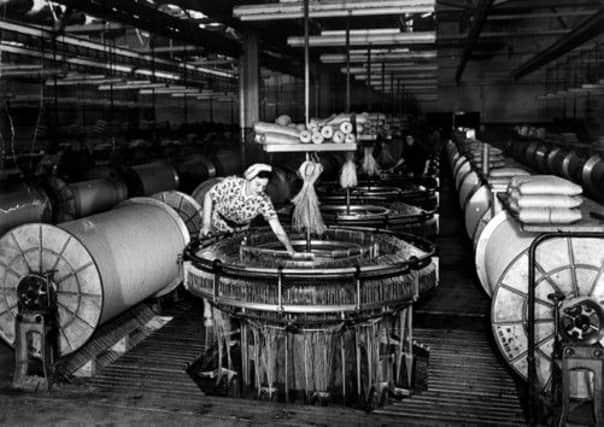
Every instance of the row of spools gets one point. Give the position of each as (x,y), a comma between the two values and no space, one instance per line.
(52,198)
(581,167)
(564,265)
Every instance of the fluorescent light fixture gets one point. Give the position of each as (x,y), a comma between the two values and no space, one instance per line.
(378,77)
(158,74)
(83,81)
(187,93)
(365,38)
(331,9)
(129,86)
(391,68)
(168,91)
(403,81)
(390,56)
(361,32)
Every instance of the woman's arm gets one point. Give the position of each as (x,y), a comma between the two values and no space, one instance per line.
(281,234)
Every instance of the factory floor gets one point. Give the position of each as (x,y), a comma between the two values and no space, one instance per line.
(468,383)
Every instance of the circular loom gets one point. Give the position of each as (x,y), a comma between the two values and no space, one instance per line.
(408,191)
(333,324)
(396,216)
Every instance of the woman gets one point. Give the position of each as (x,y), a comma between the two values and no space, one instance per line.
(233,203)
(414,157)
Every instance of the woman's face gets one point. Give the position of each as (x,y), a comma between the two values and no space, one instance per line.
(258,185)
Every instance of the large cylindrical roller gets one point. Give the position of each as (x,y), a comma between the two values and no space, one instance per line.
(593,177)
(22,203)
(564,265)
(482,206)
(104,172)
(572,166)
(555,158)
(540,158)
(193,169)
(529,153)
(227,162)
(187,208)
(476,207)
(151,178)
(80,199)
(469,184)
(461,165)
(461,172)
(99,266)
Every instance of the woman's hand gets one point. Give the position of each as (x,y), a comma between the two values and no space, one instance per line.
(204,232)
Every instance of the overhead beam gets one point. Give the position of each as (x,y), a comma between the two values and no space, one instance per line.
(480,14)
(583,32)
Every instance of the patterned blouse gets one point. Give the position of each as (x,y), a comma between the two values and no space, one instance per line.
(234,209)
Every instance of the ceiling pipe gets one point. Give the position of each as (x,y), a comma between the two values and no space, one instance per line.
(479,18)
(583,32)
(331,9)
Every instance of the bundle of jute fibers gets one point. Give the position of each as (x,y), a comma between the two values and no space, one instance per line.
(369,166)
(307,213)
(348,176)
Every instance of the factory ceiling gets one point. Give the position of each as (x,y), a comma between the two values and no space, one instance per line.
(386,37)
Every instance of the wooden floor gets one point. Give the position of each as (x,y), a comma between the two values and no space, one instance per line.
(468,383)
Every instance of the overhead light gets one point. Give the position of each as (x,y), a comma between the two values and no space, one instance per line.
(361,32)
(182,94)
(158,74)
(378,51)
(339,58)
(83,81)
(195,14)
(365,38)
(130,86)
(354,70)
(406,83)
(331,9)
(387,77)
(376,69)
(168,91)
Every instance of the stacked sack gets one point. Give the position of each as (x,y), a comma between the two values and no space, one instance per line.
(545,200)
